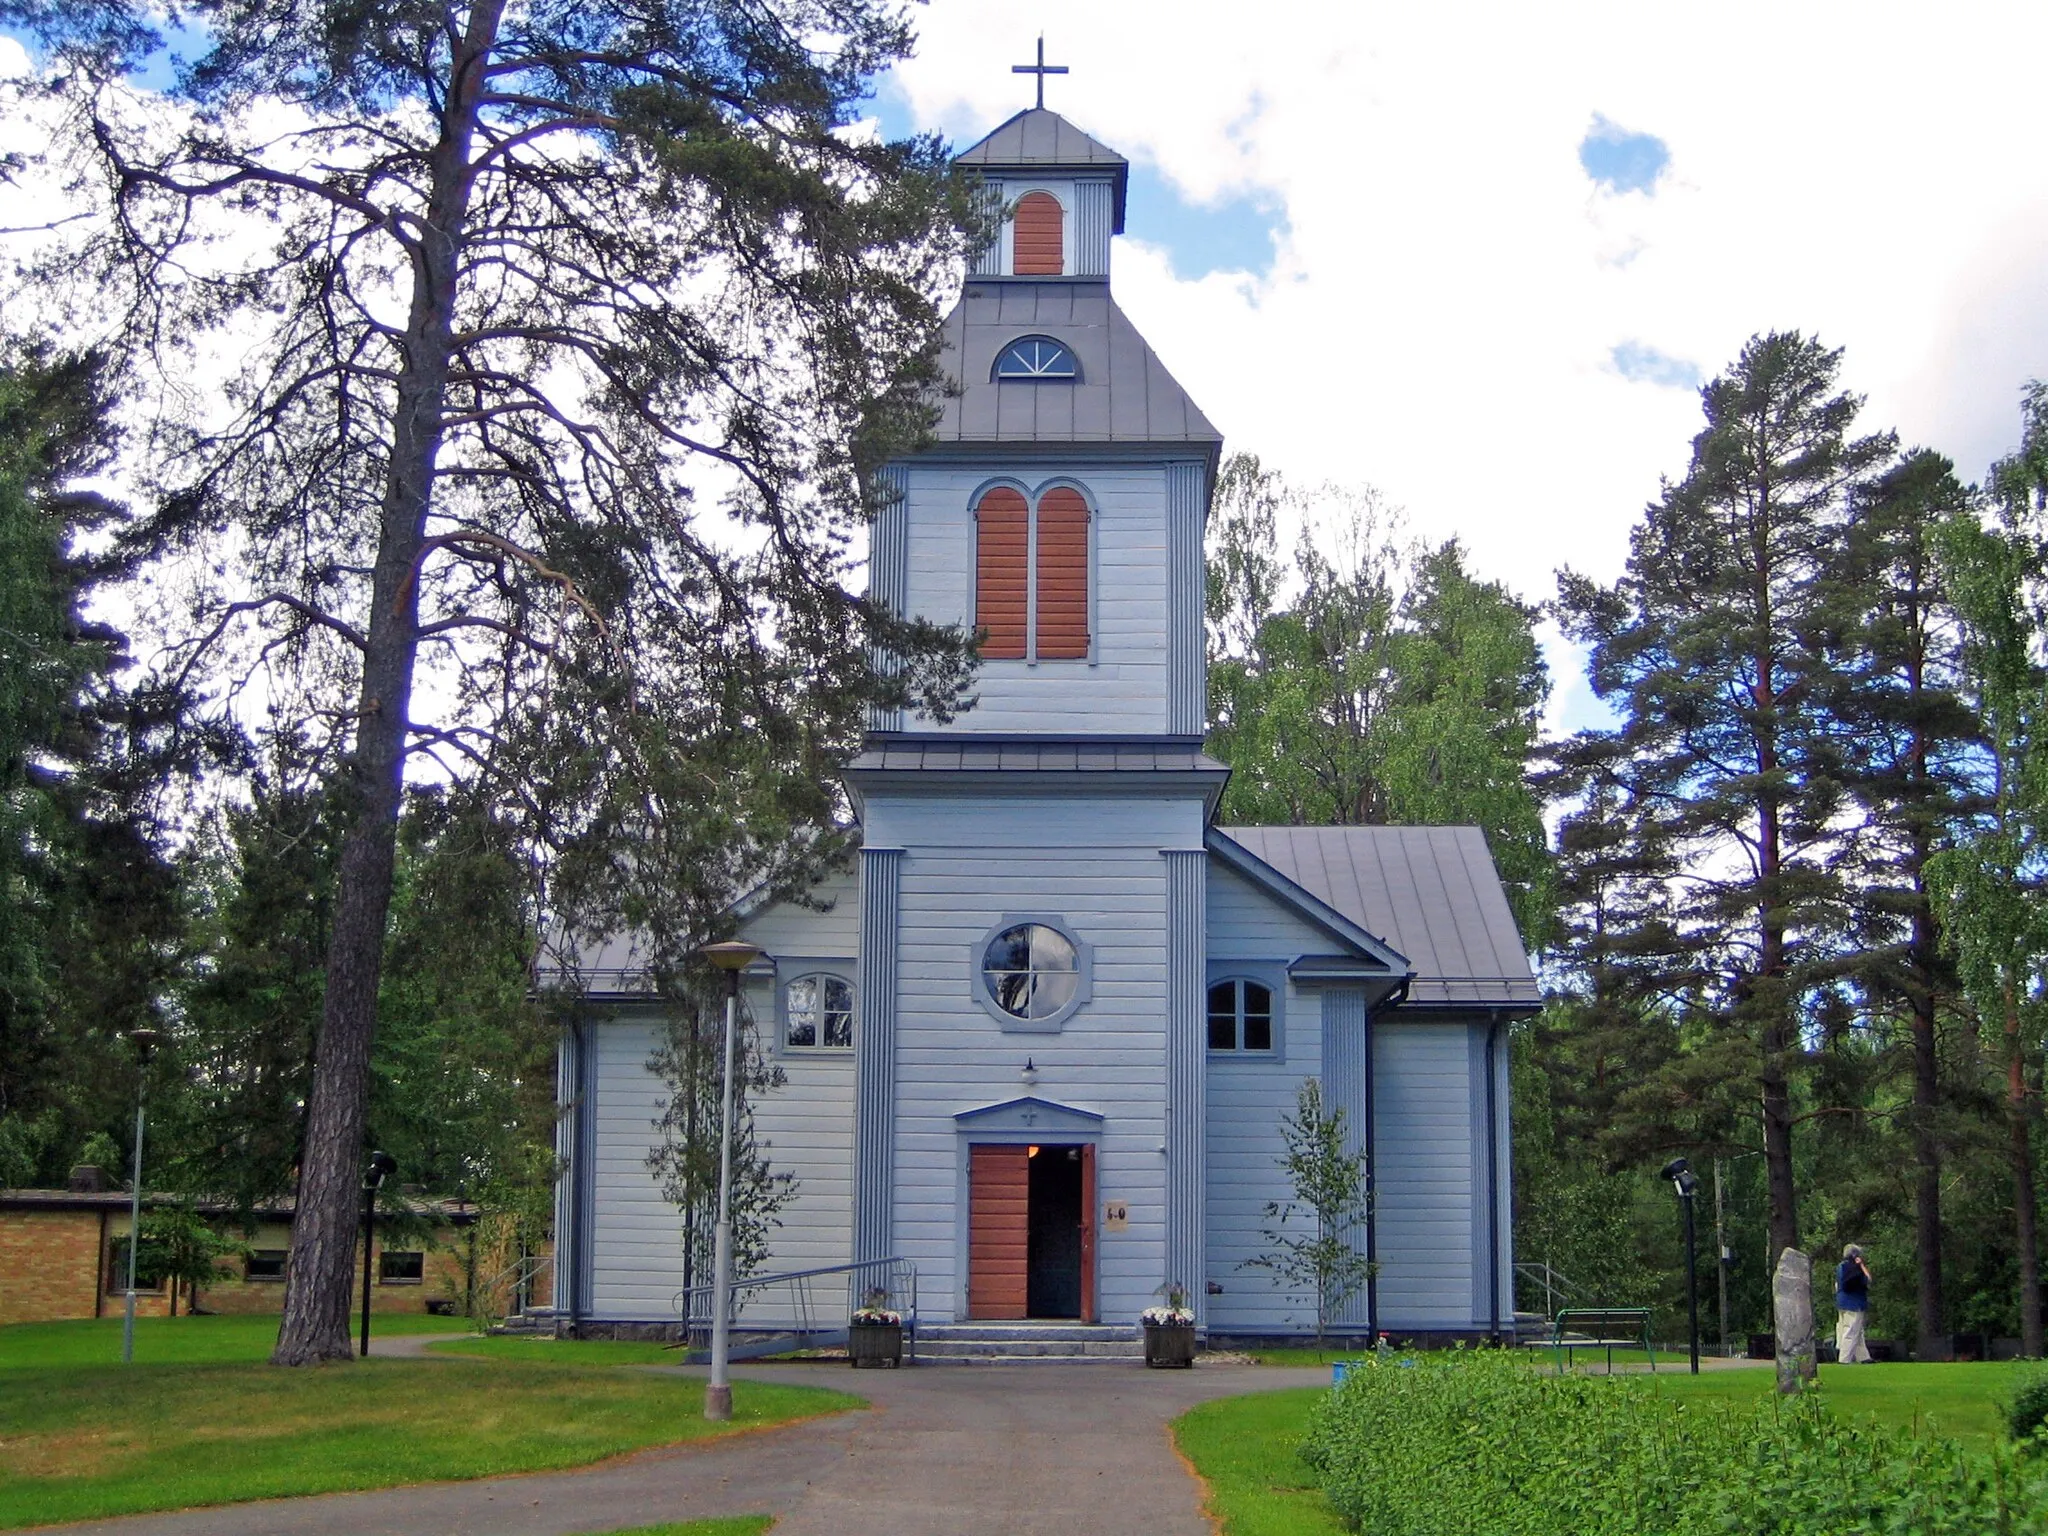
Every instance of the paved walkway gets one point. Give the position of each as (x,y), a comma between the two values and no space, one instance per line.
(1041,1450)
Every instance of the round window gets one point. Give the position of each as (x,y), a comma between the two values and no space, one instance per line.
(1031,970)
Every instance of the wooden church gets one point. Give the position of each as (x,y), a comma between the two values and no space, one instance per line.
(1037,1046)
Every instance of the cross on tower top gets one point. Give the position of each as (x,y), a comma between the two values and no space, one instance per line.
(1040,69)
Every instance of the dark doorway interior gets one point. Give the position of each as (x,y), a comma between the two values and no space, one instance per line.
(1054,1274)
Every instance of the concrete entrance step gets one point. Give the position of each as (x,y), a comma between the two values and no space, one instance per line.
(1018,1343)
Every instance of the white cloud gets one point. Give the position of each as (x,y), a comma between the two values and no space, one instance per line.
(1443,315)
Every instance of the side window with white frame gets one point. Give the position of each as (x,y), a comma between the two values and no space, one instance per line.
(817,1012)
(1241,1016)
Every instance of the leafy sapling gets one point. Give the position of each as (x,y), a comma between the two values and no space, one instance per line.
(1310,1236)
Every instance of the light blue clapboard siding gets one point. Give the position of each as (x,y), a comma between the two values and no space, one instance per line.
(828,925)
(1428,1176)
(1121,689)
(1247,924)
(1246,1099)
(970,862)
(807,1126)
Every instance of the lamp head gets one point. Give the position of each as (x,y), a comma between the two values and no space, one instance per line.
(382,1166)
(732,954)
(1682,1178)
(145,1041)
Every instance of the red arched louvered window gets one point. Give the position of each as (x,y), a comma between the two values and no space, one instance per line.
(1040,240)
(1001,572)
(1062,575)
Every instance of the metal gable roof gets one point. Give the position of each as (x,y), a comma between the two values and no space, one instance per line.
(1432,892)
(1124,393)
(1041,140)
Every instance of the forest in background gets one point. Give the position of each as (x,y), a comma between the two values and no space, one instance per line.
(1785,903)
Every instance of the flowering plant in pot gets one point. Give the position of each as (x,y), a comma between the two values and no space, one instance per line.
(1170,1329)
(874,1335)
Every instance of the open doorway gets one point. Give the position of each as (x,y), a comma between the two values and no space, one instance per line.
(1053,1269)
(1030,1236)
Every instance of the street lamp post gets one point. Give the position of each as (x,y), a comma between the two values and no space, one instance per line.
(382,1166)
(145,1042)
(1687,1184)
(732,957)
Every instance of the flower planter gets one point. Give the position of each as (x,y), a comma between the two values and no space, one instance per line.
(1170,1345)
(875,1344)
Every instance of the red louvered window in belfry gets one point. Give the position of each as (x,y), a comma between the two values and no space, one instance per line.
(1040,239)
(1010,586)
(1002,591)
(1062,575)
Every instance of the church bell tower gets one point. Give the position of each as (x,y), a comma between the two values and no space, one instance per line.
(1033,872)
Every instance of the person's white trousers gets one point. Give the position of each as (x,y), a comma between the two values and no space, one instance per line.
(1849,1346)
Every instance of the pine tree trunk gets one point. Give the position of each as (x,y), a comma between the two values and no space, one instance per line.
(1776,1035)
(2026,1222)
(1934,1340)
(318,1277)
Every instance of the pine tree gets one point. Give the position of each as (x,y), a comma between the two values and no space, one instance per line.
(1712,649)
(90,926)
(537,302)
(1912,739)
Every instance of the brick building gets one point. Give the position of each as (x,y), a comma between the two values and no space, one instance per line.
(63,1256)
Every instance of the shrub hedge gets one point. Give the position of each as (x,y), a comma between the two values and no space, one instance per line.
(1466,1444)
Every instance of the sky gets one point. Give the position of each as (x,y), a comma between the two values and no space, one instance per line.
(1480,256)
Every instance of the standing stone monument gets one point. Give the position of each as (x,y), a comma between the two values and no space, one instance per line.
(1792,1310)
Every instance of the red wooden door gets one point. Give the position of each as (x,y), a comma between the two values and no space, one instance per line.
(1087,1234)
(998,1231)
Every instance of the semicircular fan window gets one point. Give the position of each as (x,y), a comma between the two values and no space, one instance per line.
(1037,357)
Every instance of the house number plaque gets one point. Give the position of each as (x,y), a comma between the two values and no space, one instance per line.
(1116,1216)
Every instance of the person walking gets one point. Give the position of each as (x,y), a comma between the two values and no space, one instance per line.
(1852,1307)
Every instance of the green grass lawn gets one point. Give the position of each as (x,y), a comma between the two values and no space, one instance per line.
(87,1441)
(1244,1448)
(176,1340)
(1961,1401)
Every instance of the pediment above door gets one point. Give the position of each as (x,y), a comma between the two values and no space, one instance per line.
(1030,1116)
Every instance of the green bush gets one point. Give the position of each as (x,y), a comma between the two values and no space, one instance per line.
(1487,1445)
(2028,1413)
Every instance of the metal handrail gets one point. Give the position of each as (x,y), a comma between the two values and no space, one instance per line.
(895,1278)
(519,1276)
(1556,1287)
